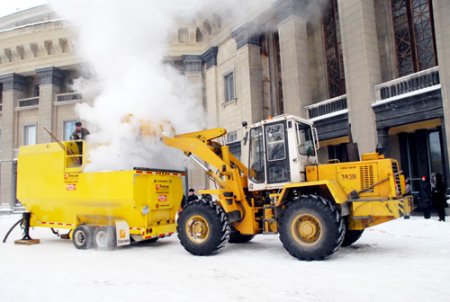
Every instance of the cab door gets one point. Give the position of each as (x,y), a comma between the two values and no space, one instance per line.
(278,169)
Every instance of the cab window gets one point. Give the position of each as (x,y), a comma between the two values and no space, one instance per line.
(256,164)
(276,146)
(305,140)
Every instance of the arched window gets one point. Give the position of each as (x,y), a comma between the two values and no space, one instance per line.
(414,35)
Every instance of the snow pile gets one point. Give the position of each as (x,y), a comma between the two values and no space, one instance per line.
(403,260)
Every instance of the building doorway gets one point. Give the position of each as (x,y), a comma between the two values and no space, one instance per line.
(422,153)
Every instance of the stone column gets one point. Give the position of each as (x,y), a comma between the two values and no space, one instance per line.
(211,97)
(13,89)
(294,55)
(249,73)
(193,67)
(50,84)
(362,68)
(441,11)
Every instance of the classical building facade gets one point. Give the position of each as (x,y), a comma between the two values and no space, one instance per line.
(375,72)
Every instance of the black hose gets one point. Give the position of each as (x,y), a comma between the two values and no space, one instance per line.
(10,230)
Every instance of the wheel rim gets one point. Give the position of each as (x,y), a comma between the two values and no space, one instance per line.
(306,229)
(80,238)
(101,238)
(197,229)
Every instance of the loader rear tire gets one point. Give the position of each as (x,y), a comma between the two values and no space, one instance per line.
(105,238)
(236,237)
(311,228)
(82,237)
(203,228)
(351,236)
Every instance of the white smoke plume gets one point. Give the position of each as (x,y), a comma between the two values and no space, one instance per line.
(124,43)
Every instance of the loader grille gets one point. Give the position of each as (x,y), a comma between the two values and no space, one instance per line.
(366,178)
(396,172)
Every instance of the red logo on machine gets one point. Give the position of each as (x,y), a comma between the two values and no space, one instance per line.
(71,187)
(162,198)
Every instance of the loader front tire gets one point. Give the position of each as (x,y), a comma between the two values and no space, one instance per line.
(203,228)
(311,228)
(82,237)
(236,237)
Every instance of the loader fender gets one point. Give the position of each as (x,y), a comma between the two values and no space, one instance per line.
(329,189)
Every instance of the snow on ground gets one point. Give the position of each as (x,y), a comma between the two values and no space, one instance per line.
(403,260)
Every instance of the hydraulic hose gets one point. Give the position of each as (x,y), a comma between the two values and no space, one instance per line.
(12,228)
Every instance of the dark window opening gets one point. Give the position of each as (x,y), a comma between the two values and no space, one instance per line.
(270,50)
(338,152)
(414,35)
(333,51)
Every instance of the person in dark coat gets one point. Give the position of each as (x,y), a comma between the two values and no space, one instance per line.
(191,197)
(438,198)
(425,197)
(79,133)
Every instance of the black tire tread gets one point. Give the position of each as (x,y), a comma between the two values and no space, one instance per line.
(236,237)
(219,227)
(336,225)
(351,236)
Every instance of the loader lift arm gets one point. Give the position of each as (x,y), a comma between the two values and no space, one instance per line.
(232,173)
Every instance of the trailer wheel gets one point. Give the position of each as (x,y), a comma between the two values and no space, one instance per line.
(311,228)
(82,237)
(203,228)
(236,237)
(105,237)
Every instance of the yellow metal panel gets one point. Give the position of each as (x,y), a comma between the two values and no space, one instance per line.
(65,197)
(336,191)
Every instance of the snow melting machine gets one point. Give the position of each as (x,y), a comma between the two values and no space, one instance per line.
(100,209)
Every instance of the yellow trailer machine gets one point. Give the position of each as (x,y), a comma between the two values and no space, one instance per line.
(100,209)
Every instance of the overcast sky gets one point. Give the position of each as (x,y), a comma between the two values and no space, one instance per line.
(10,6)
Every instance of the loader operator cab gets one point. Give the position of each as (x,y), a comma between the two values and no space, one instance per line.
(279,150)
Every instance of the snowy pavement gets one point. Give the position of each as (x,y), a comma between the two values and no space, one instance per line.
(403,260)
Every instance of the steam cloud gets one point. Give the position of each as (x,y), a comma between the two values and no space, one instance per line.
(124,43)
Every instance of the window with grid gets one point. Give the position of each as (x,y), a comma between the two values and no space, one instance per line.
(415,44)
(333,50)
(229,87)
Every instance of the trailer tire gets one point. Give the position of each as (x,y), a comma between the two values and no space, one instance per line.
(236,237)
(311,228)
(203,228)
(105,238)
(82,237)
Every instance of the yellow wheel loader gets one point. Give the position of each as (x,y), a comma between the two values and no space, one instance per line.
(315,208)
